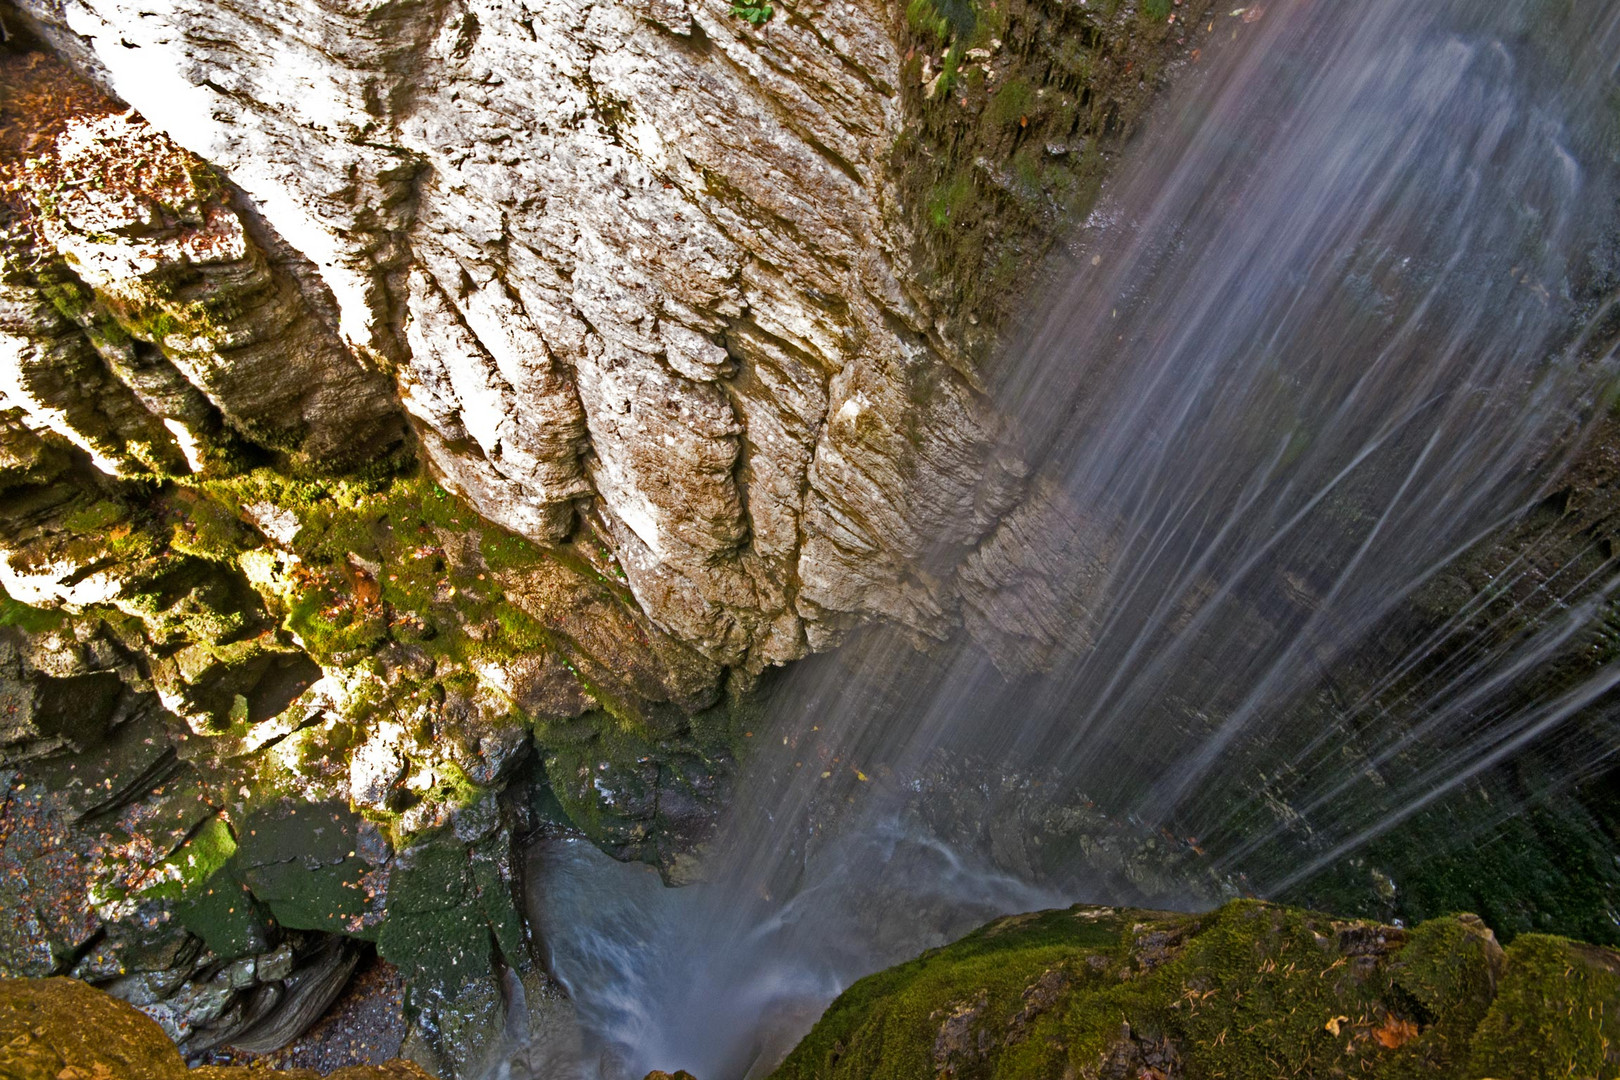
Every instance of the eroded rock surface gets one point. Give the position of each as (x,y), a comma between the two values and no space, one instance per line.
(656,264)
(420,423)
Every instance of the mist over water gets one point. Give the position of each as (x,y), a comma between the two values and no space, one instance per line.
(1342,319)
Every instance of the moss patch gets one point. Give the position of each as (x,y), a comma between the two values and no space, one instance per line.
(1554,1015)
(1017,109)
(449,911)
(1250,990)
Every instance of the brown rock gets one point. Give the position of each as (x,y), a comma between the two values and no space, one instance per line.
(63,1029)
(60,1029)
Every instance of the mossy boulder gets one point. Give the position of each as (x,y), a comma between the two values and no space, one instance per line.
(1249,990)
(55,1028)
(62,1029)
(449,913)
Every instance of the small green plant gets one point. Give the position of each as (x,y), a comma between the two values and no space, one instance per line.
(944,19)
(758,14)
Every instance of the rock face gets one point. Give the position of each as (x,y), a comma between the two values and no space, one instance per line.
(438,415)
(656,264)
(1250,990)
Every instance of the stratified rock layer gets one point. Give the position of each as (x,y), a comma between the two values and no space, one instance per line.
(719,286)
(425,421)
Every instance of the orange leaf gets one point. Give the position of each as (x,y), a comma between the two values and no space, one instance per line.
(1395,1033)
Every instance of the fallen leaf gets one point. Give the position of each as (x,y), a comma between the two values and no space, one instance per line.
(1332,1026)
(1395,1033)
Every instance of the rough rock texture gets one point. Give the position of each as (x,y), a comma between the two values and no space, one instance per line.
(656,262)
(416,411)
(1249,990)
(411,398)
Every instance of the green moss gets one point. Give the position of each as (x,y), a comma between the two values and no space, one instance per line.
(1554,1015)
(448,910)
(948,201)
(1450,968)
(96,517)
(203,527)
(301,863)
(197,860)
(226,916)
(1010,103)
(330,898)
(943,19)
(66,293)
(29,619)
(1251,990)
(1009,133)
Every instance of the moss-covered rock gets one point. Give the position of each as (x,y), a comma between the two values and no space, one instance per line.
(62,1029)
(450,914)
(1554,1011)
(1017,109)
(1249,990)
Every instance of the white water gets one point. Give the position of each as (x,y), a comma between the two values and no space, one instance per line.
(1335,321)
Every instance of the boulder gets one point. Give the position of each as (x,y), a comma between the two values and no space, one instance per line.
(1248,990)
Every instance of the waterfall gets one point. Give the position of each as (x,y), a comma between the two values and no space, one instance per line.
(1336,328)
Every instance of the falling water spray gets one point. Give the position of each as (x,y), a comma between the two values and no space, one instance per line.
(1326,346)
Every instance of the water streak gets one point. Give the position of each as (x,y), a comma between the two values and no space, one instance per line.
(1333,334)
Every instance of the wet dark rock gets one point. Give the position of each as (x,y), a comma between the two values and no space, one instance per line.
(279,1010)
(42,712)
(451,914)
(302,861)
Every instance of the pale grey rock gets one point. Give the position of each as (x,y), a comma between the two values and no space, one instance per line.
(630,262)
(275,964)
(179,326)
(377,765)
(51,374)
(1024,614)
(692,354)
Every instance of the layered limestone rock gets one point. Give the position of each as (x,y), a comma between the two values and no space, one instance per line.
(653,262)
(411,414)
(141,321)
